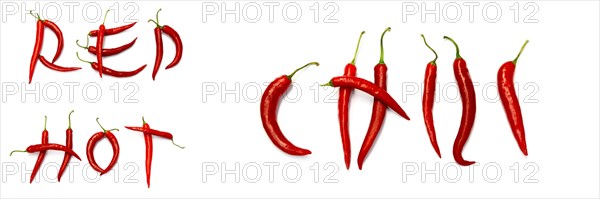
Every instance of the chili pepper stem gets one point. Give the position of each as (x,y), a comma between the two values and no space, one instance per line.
(143,120)
(18,151)
(455,45)
(518,55)
(381,44)
(105,15)
(327,84)
(156,22)
(103,129)
(77,53)
(181,147)
(311,63)
(357,45)
(426,44)
(87,43)
(37,15)
(45,121)
(70,118)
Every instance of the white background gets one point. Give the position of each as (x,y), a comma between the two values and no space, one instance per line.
(561,62)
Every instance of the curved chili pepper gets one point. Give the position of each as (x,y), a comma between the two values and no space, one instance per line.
(42,154)
(178,45)
(159,44)
(508,96)
(48,146)
(467,94)
(344,105)
(59,35)
(112,31)
(107,51)
(369,88)
(69,143)
(379,108)
(57,67)
(111,72)
(92,144)
(268,112)
(428,99)
(155,132)
(37,47)
(100,43)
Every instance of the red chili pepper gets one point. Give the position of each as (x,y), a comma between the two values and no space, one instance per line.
(48,146)
(467,94)
(57,67)
(113,31)
(92,144)
(69,143)
(369,88)
(41,155)
(379,108)
(509,99)
(344,105)
(100,43)
(39,40)
(61,42)
(107,51)
(111,72)
(178,45)
(159,45)
(428,99)
(268,112)
(148,133)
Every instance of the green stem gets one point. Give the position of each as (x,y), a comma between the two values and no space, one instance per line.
(70,118)
(327,84)
(181,147)
(143,120)
(518,55)
(105,14)
(357,45)
(45,121)
(156,22)
(311,63)
(37,16)
(436,55)
(455,45)
(87,43)
(19,151)
(381,44)
(77,53)
(104,130)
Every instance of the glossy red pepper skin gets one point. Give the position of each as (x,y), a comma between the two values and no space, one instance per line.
(150,131)
(90,150)
(115,73)
(37,47)
(114,143)
(159,51)
(41,155)
(467,93)
(268,112)
(149,151)
(344,112)
(51,146)
(99,45)
(510,102)
(429,98)
(112,31)
(57,67)
(69,144)
(59,35)
(428,102)
(369,88)
(111,51)
(377,115)
(178,45)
